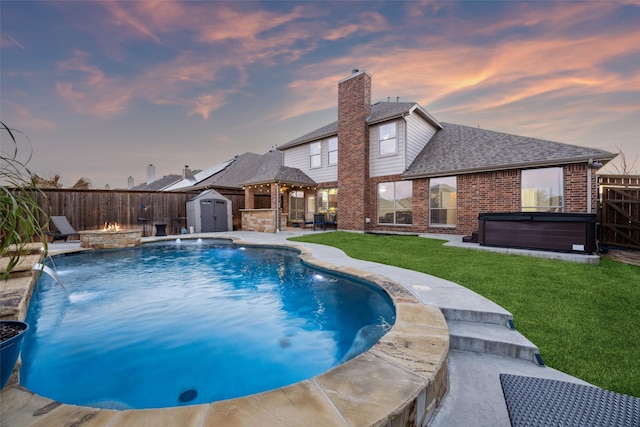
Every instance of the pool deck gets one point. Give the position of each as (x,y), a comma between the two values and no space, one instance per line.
(400,381)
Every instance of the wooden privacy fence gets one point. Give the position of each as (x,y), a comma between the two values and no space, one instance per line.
(91,209)
(619,211)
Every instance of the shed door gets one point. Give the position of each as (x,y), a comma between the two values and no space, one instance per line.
(213,215)
(220,216)
(207,216)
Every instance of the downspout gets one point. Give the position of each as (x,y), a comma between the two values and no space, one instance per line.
(589,167)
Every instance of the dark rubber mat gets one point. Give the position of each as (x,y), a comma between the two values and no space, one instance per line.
(542,402)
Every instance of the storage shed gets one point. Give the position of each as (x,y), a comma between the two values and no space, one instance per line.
(208,212)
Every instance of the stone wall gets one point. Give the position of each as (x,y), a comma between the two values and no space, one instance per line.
(97,239)
(262,220)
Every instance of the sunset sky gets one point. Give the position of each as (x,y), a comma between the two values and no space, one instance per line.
(102,89)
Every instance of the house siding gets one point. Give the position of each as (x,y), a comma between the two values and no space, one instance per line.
(387,165)
(299,157)
(418,134)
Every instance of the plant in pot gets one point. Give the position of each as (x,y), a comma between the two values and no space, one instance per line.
(20,225)
(11,335)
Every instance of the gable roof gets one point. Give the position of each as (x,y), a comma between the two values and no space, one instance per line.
(272,170)
(380,112)
(457,149)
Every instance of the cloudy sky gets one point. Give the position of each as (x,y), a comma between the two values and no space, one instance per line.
(102,89)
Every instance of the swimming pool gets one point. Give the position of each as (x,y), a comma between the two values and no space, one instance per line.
(170,324)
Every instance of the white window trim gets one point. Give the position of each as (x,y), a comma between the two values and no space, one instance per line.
(329,151)
(395,209)
(313,155)
(395,138)
(440,225)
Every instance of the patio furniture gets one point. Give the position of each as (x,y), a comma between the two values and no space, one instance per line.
(308,223)
(161,229)
(332,222)
(62,228)
(318,221)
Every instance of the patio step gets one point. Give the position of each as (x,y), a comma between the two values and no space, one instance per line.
(491,338)
(502,318)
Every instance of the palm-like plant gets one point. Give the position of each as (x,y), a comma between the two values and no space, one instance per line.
(20,212)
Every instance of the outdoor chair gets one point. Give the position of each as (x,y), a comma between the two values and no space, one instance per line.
(62,228)
(308,223)
(333,221)
(318,221)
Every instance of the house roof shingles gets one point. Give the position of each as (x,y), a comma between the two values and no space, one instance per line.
(272,170)
(460,149)
(158,184)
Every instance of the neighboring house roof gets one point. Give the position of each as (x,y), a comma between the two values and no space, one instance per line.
(457,149)
(272,170)
(197,177)
(380,112)
(244,166)
(159,184)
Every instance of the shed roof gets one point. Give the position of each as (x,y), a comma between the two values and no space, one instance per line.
(457,149)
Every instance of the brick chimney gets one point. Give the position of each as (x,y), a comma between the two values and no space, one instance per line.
(354,106)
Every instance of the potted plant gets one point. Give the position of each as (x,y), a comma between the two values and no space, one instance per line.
(20,225)
(12,333)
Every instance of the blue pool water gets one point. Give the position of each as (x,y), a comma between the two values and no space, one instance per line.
(181,323)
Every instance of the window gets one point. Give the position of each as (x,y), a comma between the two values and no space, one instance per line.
(296,206)
(328,201)
(542,190)
(333,151)
(395,202)
(388,140)
(316,157)
(442,201)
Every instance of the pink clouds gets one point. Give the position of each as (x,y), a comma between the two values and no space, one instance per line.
(554,63)
(93,92)
(558,70)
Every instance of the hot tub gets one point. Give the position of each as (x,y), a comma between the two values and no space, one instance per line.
(550,231)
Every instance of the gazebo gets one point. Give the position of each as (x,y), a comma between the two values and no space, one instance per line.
(267,196)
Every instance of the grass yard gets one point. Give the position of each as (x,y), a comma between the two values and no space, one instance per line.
(584,318)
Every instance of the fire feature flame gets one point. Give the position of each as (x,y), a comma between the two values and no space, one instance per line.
(111,227)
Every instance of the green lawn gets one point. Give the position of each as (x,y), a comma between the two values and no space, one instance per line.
(584,318)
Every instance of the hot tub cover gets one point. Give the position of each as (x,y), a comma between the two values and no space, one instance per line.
(543,402)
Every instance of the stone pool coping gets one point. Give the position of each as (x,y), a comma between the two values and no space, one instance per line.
(400,381)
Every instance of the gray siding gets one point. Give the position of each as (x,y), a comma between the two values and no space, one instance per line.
(419,132)
(387,165)
(299,157)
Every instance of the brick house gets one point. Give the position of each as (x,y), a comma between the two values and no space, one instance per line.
(392,167)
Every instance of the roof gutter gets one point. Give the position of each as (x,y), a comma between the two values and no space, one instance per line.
(529,165)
